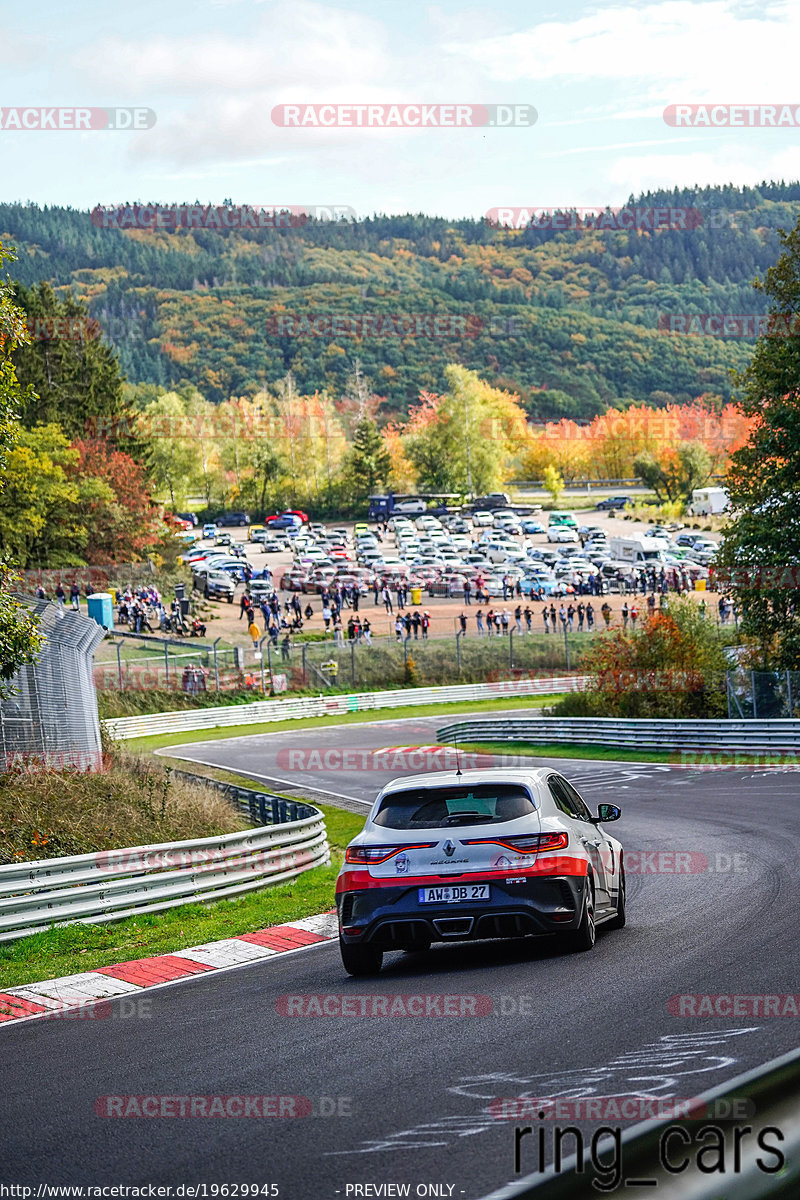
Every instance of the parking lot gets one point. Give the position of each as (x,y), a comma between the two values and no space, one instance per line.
(437,558)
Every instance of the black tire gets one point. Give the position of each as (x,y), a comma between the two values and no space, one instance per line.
(360,960)
(230,599)
(583,938)
(618,922)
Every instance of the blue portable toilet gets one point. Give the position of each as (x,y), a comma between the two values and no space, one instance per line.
(101,609)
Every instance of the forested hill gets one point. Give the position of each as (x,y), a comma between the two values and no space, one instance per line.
(569,320)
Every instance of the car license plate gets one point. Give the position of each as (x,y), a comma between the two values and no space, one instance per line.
(454,893)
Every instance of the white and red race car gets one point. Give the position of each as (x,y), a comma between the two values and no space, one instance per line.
(477,854)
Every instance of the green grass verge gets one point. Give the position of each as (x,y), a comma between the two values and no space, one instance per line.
(72,948)
(555,750)
(696,758)
(159,740)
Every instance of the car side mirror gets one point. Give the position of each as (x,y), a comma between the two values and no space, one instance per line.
(608,812)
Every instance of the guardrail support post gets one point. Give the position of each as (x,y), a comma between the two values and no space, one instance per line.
(458,650)
(166,663)
(269,660)
(566,644)
(118,647)
(216,667)
(261,657)
(511,649)
(353,662)
(304,652)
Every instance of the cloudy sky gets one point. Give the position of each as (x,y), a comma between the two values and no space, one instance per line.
(599,75)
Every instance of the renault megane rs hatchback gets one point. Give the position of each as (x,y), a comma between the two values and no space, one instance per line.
(477,854)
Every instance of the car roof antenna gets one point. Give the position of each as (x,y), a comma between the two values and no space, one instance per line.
(458,757)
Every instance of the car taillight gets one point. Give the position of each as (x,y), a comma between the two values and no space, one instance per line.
(370,855)
(526,843)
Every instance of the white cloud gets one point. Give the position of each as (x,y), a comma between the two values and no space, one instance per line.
(301,43)
(710,50)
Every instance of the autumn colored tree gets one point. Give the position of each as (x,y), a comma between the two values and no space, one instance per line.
(121,520)
(20,640)
(673,666)
(467,439)
(761,547)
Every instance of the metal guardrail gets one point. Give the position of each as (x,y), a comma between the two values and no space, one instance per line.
(265,711)
(767,1094)
(640,734)
(113,884)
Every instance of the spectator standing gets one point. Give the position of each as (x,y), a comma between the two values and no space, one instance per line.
(467,592)
(75,597)
(462,621)
(581,610)
(426,624)
(61,596)
(528,616)
(416,621)
(606,611)
(589,616)
(634,615)
(518,618)
(625,616)
(479,621)
(546,618)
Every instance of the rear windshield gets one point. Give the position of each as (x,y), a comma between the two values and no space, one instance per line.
(433,808)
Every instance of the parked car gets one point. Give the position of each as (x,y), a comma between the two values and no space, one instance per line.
(292,581)
(561,533)
(234,518)
(530,526)
(613,502)
(285,521)
(218,585)
(209,530)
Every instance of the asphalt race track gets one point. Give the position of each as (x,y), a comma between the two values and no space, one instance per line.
(408,1100)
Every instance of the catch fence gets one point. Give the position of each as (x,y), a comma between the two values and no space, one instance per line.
(50,714)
